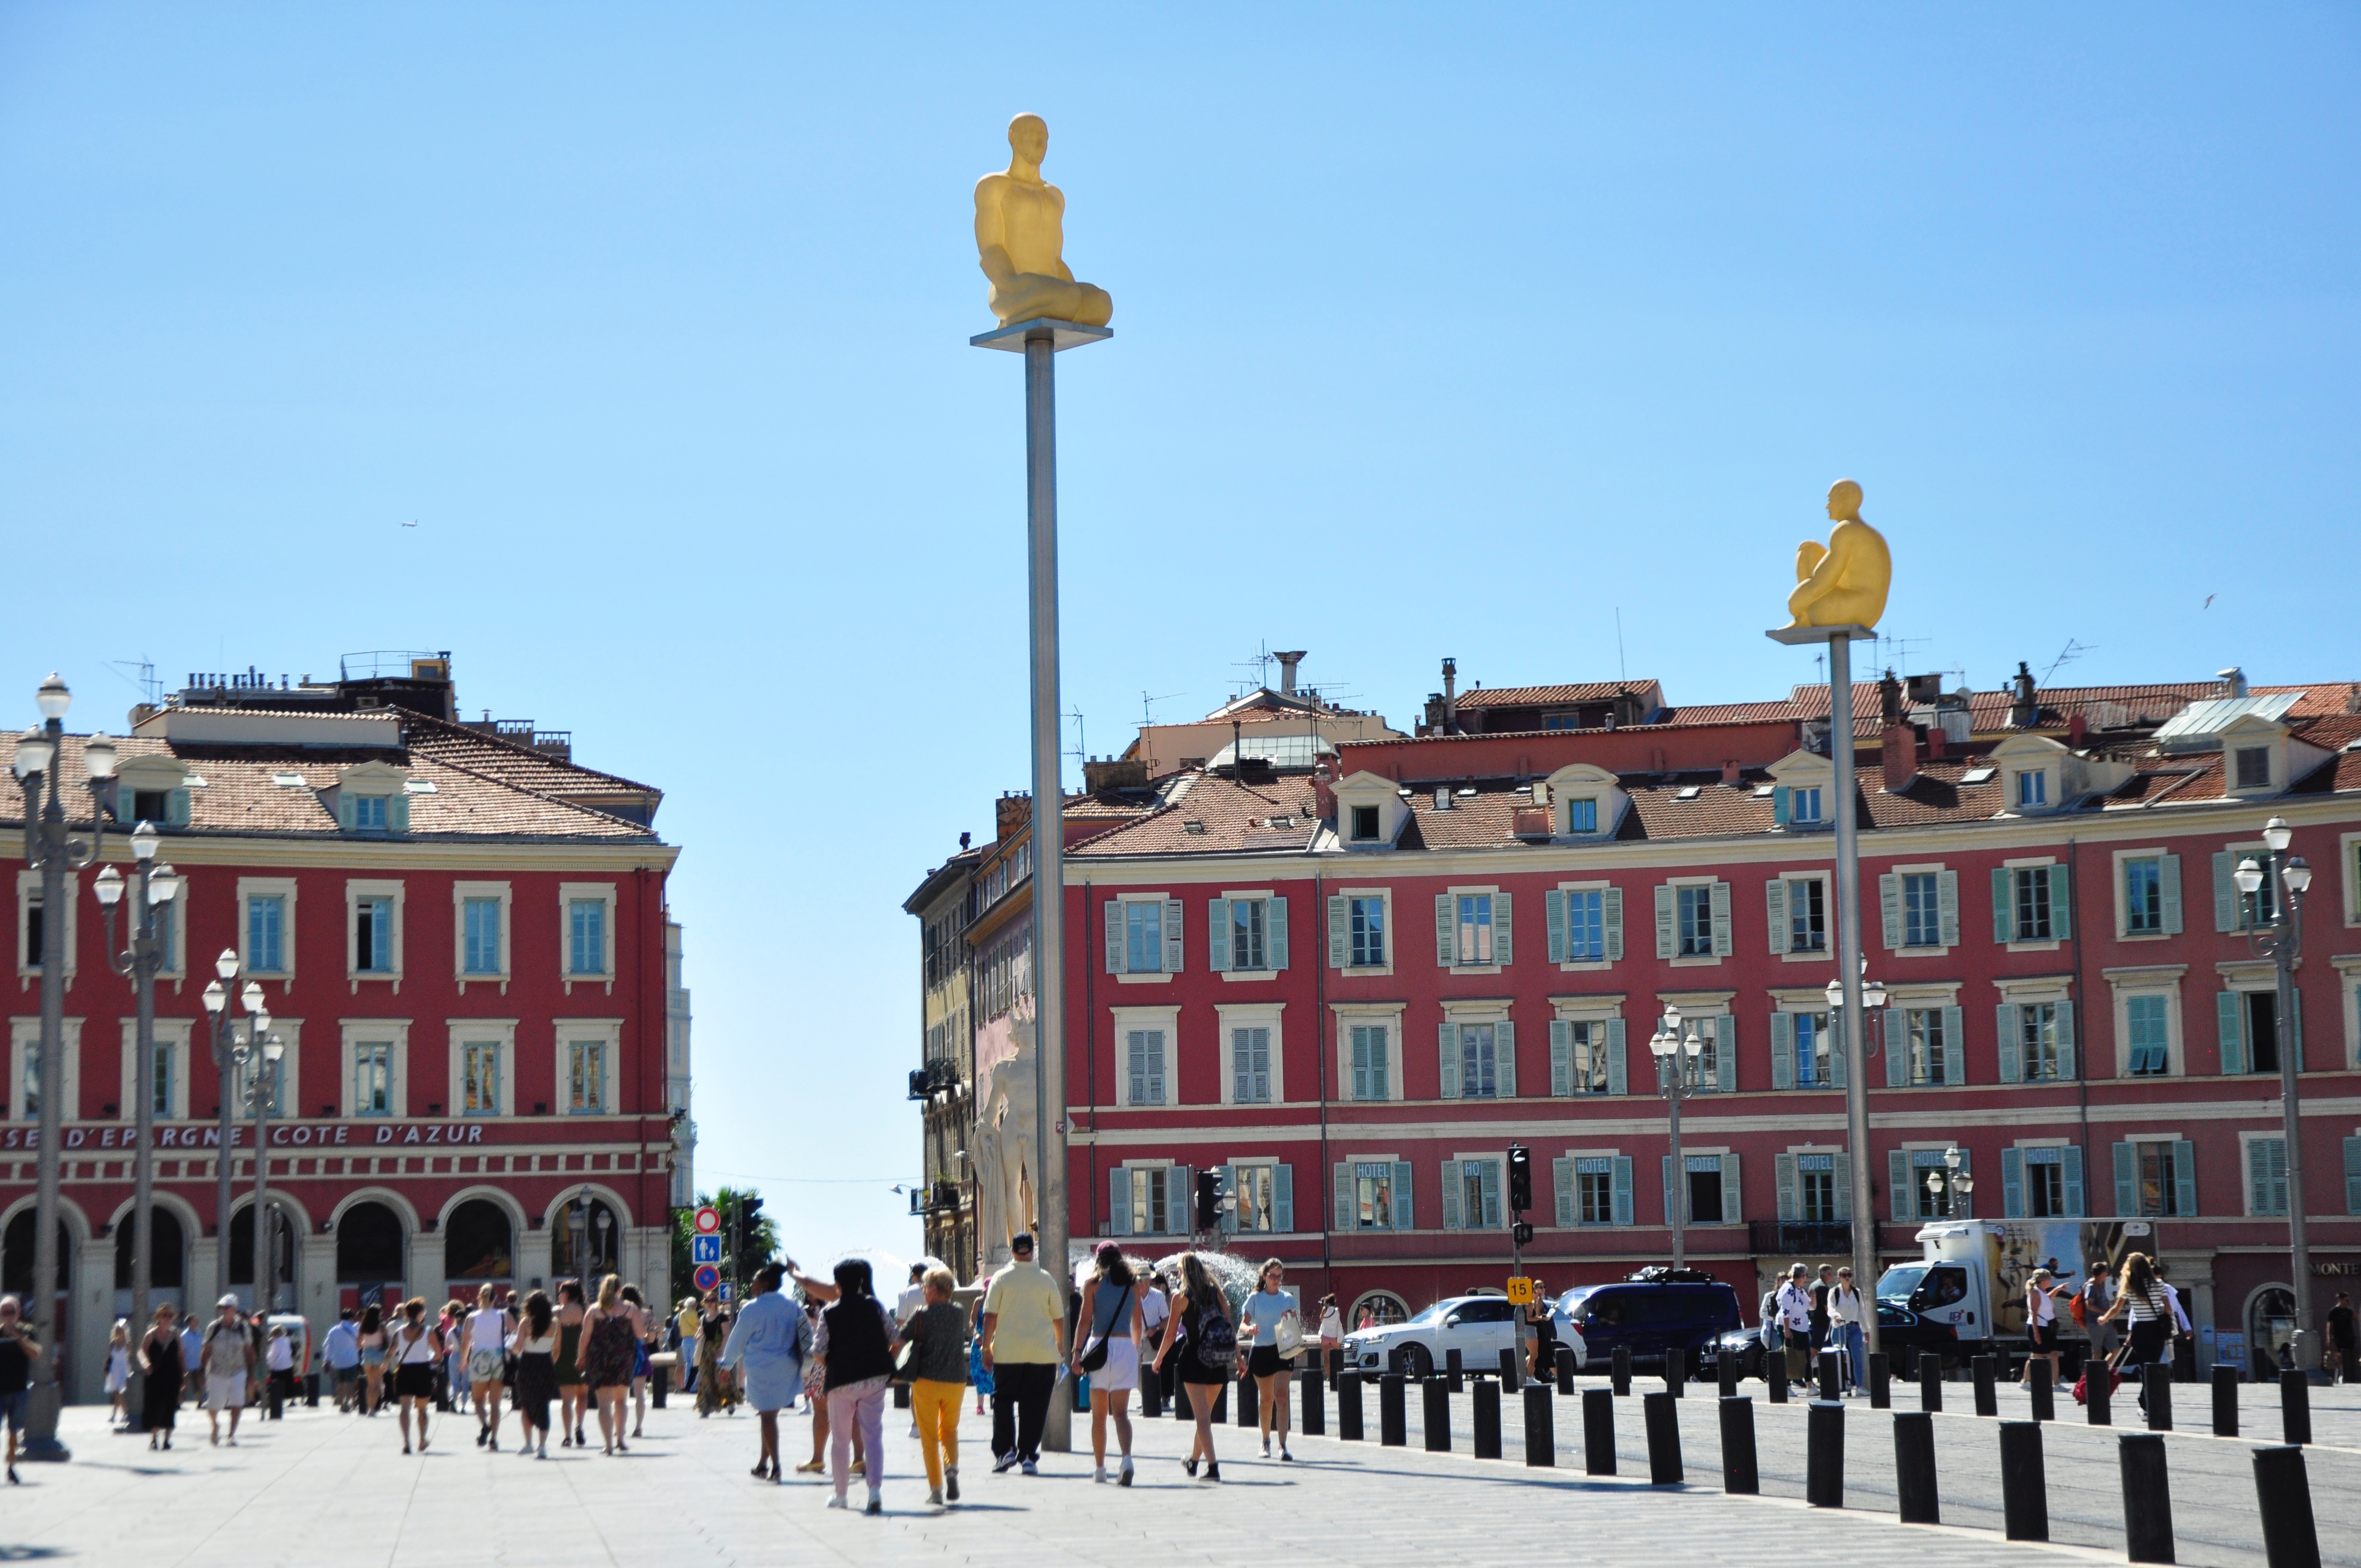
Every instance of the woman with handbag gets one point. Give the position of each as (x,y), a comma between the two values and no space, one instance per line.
(2151,1315)
(1275,1328)
(1110,1357)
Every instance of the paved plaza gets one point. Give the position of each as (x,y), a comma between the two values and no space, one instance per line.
(323,1490)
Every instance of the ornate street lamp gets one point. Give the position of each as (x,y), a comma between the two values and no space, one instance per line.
(1678,1044)
(1960,1183)
(2280,939)
(243,1063)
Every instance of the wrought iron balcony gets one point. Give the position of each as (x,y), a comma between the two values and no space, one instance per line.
(1784,1238)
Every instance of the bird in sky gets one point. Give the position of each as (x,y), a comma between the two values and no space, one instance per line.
(2207,605)
(413,524)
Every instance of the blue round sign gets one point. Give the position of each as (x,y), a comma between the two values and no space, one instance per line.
(708,1277)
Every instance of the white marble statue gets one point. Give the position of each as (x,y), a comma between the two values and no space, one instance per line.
(1007,1150)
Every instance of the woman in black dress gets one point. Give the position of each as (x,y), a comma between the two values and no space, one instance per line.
(160,1359)
(1198,1306)
(535,1345)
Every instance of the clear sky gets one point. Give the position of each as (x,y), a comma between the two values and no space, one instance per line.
(1444,331)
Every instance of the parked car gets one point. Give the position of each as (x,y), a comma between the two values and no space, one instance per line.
(1654,1311)
(1478,1327)
(1744,1344)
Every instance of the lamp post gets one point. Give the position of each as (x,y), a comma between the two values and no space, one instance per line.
(51,848)
(2280,939)
(1959,1182)
(153,889)
(232,1057)
(1676,1047)
(1868,1001)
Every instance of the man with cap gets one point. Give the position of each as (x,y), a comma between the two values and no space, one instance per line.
(228,1364)
(1024,1344)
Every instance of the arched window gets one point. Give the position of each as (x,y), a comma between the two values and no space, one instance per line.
(1383,1307)
(479,1243)
(17,1256)
(593,1227)
(369,1245)
(167,1245)
(285,1237)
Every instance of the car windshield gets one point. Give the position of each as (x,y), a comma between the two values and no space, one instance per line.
(1901,1280)
(1433,1313)
(1570,1304)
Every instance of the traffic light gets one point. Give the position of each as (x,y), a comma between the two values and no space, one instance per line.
(1523,1233)
(1520,1178)
(1209,1201)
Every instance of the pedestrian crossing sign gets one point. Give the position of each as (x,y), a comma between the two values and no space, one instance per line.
(704,1249)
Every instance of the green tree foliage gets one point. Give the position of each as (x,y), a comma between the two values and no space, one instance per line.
(756,1241)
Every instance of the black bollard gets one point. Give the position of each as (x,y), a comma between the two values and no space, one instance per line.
(1824,1455)
(1488,1420)
(2024,1493)
(2226,1403)
(1336,1359)
(901,1396)
(1622,1371)
(1664,1439)
(2156,1381)
(1880,1381)
(1250,1402)
(1774,1374)
(1598,1431)
(1725,1367)
(1313,1417)
(1541,1421)
(1458,1370)
(2283,1493)
(2147,1499)
(1151,1393)
(1930,1380)
(1436,1392)
(1827,1375)
(1512,1379)
(1393,1415)
(1739,1471)
(2099,1392)
(1986,1372)
(657,1384)
(2044,1393)
(1348,1407)
(2295,1407)
(1914,1467)
(1676,1370)
(1565,1370)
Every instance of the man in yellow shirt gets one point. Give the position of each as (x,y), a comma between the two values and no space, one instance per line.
(1024,1345)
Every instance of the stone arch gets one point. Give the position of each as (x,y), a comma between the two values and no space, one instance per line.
(295,1223)
(1391,1308)
(17,1244)
(482,1231)
(170,1270)
(553,1221)
(405,1211)
(2252,1314)
(373,1228)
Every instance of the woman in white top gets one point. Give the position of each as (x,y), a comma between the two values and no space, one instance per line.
(1332,1337)
(118,1365)
(416,1345)
(487,1338)
(2143,1297)
(1266,1311)
(1844,1328)
(2041,1325)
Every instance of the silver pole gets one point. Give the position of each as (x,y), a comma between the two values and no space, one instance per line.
(1048,829)
(143,1157)
(1671,1067)
(49,835)
(2287,945)
(1856,1034)
(265,1284)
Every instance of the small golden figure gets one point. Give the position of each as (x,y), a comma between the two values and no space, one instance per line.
(1844,581)
(1020,238)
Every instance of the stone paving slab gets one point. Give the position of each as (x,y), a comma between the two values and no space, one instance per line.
(321,1490)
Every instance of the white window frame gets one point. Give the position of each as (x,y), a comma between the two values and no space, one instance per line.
(1238,1190)
(1346,1014)
(1168,908)
(1231,898)
(25,1038)
(1253,1015)
(461,893)
(1178,1206)
(2170,1139)
(352,1033)
(1935,869)
(1709,959)
(1600,886)
(172,1034)
(2056,868)
(1353,1162)
(1827,950)
(1485,890)
(606,1032)
(2147,980)
(355,890)
(567,893)
(288,1033)
(1459,1161)
(1393,932)
(253,887)
(1573,1159)
(2348,860)
(463,1031)
(29,883)
(2348,989)
(2118,863)
(1126,1019)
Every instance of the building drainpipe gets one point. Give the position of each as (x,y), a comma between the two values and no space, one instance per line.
(1320,1039)
(1090,1047)
(2082,1049)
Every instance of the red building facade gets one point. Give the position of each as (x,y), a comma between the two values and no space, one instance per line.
(1350,990)
(462,938)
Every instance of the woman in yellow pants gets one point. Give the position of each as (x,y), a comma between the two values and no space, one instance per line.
(937,1335)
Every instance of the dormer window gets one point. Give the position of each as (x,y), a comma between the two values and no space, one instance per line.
(1582,815)
(1803,805)
(370,813)
(2033,789)
(1364,825)
(373,797)
(2252,767)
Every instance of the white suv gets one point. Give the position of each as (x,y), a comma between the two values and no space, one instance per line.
(1478,1327)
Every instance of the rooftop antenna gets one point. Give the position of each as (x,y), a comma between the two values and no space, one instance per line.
(1260,662)
(1622,670)
(150,689)
(1080,752)
(1900,646)
(1147,714)
(2066,655)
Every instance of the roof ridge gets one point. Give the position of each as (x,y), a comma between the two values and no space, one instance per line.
(462,731)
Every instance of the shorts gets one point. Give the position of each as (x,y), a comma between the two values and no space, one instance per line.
(2042,1336)
(414,1380)
(1121,1371)
(224,1392)
(1265,1362)
(347,1376)
(485,1365)
(14,1409)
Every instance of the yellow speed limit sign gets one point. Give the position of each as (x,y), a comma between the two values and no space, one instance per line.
(1521,1291)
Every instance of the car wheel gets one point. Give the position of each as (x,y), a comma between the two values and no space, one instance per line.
(1417,1363)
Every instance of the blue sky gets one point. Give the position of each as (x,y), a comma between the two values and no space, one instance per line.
(1437,333)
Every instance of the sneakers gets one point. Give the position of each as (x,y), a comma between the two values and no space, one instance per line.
(1191,1466)
(950,1483)
(837,1503)
(876,1505)
(1212,1470)
(1099,1476)
(1005,1464)
(1123,1476)
(1285,1457)
(1030,1468)
(1266,1448)
(935,1498)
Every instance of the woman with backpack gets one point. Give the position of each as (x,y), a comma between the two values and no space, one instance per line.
(1273,1326)
(1200,1336)
(2151,1316)
(1110,1357)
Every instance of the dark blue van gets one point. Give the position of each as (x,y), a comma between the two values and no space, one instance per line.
(1655,1310)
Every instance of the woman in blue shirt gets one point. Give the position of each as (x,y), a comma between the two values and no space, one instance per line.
(1266,1310)
(763,1340)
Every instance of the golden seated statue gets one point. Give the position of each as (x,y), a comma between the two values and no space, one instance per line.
(1844,581)
(1020,238)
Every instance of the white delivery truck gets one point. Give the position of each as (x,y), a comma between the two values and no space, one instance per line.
(1965,1295)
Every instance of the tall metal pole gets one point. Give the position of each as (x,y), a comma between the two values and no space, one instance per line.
(2287,946)
(1856,1035)
(50,834)
(226,1064)
(266,1282)
(1670,1069)
(143,1156)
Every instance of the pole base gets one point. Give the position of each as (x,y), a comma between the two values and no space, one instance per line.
(43,1450)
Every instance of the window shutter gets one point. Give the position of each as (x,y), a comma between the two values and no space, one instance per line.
(2061,904)
(1947,902)
(1732,1211)
(2184,1178)
(1610,906)
(1623,1189)
(1783,1049)
(1775,895)
(1725,1052)
(1488,1182)
(1721,920)
(2233,1022)
(1217,938)
(1955,1045)
(1452,1218)
(1229,1190)
(2066,1039)
(1450,1059)
(2012,1044)
(2004,904)
(1889,909)
(344,806)
(1504,931)
(2012,1183)
(1276,931)
(1667,941)
(1283,1199)
(1791,1202)
(2225,893)
(1172,936)
(1405,1209)
(1897,1054)
(397,812)
(1554,914)
(1119,1202)
(2070,1162)
(1618,1080)
(1340,920)
(1561,1057)
(1779,805)
(1446,931)
(1114,937)
(2258,1177)
(1897,1184)
(1669,1189)
(1504,1052)
(2127,1181)
(176,808)
(1347,1203)
(2168,881)
(2352,1175)
(1838,1066)
(1844,1189)
(1561,1185)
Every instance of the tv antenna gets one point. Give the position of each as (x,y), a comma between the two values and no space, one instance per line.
(1146,705)
(1260,662)
(150,689)
(2066,655)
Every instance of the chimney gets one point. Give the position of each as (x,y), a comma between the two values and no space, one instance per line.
(2077,727)
(1287,663)
(1897,752)
(2234,679)
(963,839)
(1451,697)
(1937,743)
(1889,701)
(2024,712)
(2353,697)
(1730,771)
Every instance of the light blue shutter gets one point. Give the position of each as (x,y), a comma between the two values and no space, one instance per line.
(2184,1176)
(1732,1209)
(2061,905)
(2012,1183)
(1618,1080)
(1610,908)
(1955,1045)
(2352,1175)
(1489,1183)
(1897,1052)
(2233,1022)
(344,806)
(1446,931)
(1450,1041)
(1282,1199)
(2258,1177)
(1339,932)
(1504,932)
(1561,1057)
(2226,891)
(1179,1200)
(1405,1209)
(2003,885)
(1947,901)
(1889,909)
(1725,1052)
(1276,932)
(2070,1162)
(1452,1218)
(1217,929)
(1774,894)
(1561,1187)
(397,811)
(1172,936)
(1898,1175)
(1667,937)
(1791,1200)
(1346,1195)
(176,808)
(1119,1202)
(2127,1181)
(1782,1050)
(1554,910)
(1779,805)
(2168,879)
(2012,1044)
(1504,1042)
(2066,1039)
(1623,1189)
(1721,920)
(1838,1066)
(1114,956)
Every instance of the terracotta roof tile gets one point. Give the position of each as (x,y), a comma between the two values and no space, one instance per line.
(1535,696)
(1228,817)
